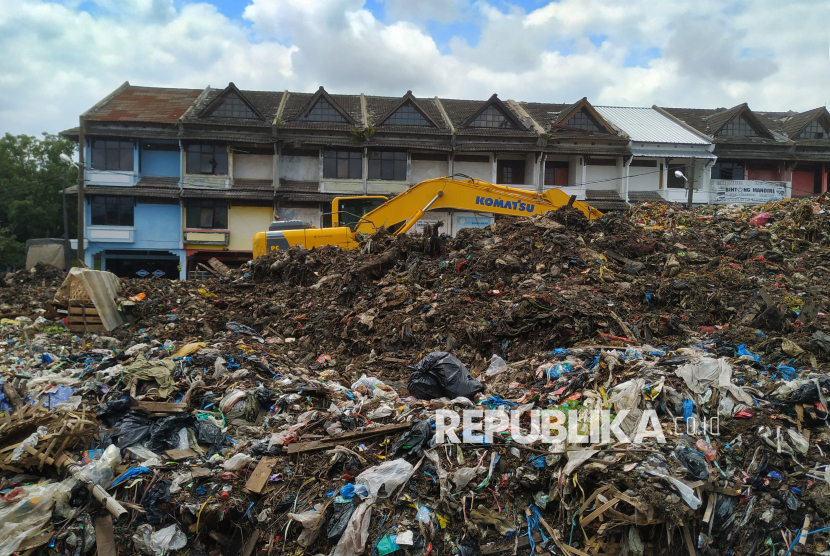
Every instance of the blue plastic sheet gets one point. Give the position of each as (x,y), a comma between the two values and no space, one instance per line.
(347,491)
(788,373)
(743,351)
(129,474)
(688,409)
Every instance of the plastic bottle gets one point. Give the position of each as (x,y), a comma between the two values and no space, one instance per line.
(706,449)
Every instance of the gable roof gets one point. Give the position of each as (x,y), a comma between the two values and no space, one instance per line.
(321,93)
(794,125)
(582,104)
(717,121)
(408,97)
(144,104)
(217,101)
(503,108)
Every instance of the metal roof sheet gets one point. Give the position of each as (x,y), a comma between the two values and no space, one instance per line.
(673,153)
(649,125)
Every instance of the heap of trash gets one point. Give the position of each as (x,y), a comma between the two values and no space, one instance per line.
(641,384)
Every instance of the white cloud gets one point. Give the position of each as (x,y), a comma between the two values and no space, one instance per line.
(57,61)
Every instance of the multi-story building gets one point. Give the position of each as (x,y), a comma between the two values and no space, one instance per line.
(177,176)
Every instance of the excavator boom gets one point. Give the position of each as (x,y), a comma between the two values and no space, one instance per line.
(402,212)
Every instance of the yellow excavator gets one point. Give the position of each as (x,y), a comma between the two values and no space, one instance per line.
(351,216)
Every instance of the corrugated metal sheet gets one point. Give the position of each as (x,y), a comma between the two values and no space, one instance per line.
(674,153)
(649,125)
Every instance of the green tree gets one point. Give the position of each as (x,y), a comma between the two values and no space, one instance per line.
(31,178)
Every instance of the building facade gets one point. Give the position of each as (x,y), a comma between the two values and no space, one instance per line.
(178,176)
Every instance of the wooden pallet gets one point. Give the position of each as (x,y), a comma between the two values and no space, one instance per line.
(84,318)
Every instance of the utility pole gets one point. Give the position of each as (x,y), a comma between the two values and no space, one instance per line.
(691,183)
(66,248)
(81,200)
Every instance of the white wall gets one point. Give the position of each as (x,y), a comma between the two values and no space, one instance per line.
(643,178)
(478,170)
(428,169)
(309,215)
(531,169)
(253,166)
(597,173)
(300,168)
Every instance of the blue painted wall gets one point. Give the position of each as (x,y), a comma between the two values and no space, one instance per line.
(157,228)
(160,163)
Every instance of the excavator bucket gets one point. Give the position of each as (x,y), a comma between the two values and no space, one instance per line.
(559,198)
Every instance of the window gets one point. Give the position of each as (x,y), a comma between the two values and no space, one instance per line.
(342,165)
(323,112)
(492,117)
(737,128)
(166,147)
(674,181)
(234,107)
(407,115)
(814,131)
(387,165)
(112,155)
(581,120)
(112,211)
(207,158)
(510,171)
(207,213)
(728,171)
(556,173)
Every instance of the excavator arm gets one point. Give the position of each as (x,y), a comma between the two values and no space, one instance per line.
(402,212)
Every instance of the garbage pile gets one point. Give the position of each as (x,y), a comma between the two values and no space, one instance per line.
(647,384)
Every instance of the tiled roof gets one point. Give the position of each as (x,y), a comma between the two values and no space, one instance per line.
(584,149)
(459,111)
(252,184)
(644,197)
(145,104)
(380,107)
(724,152)
(605,199)
(266,102)
(123,131)
(233,193)
(545,113)
(298,186)
(298,102)
(708,122)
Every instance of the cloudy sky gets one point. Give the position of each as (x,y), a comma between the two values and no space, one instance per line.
(60,57)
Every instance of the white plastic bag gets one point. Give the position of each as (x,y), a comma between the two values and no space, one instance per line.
(353,540)
(627,395)
(158,543)
(237,462)
(32,441)
(26,518)
(368,382)
(463,476)
(704,372)
(179,481)
(391,474)
(497,365)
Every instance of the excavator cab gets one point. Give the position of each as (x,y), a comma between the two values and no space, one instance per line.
(347,211)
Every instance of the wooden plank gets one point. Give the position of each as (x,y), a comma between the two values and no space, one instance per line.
(208,269)
(299,447)
(162,407)
(259,478)
(90,328)
(104,537)
(591,516)
(248,549)
(218,266)
(88,311)
(180,454)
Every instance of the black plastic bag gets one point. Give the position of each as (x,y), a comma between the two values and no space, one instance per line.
(158,493)
(111,413)
(286,504)
(243,329)
(696,464)
(264,396)
(339,519)
(413,440)
(466,547)
(209,434)
(164,433)
(133,428)
(441,375)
